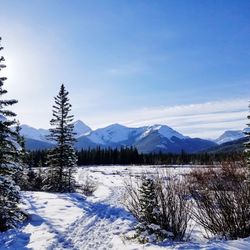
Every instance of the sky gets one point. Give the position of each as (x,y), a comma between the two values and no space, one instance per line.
(135,62)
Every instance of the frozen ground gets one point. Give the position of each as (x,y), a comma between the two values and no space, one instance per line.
(71,221)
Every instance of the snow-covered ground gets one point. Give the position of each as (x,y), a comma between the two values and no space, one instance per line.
(72,221)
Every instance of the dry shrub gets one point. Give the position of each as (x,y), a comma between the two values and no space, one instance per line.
(175,207)
(226,177)
(172,210)
(131,196)
(88,186)
(222,199)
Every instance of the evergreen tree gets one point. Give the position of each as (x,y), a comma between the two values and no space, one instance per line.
(23,154)
(10,214)
(21,158)
(148,201)
(62,159)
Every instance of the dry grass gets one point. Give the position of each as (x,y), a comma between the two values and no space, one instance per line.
(222,199)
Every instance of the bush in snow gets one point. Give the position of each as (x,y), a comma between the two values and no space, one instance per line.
(222,200)
(161,206)
(175,206)
(88,186)
(148,230)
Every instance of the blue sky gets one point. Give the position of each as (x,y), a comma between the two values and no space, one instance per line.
(135,62)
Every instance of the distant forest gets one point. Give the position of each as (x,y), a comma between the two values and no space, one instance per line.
(130,156)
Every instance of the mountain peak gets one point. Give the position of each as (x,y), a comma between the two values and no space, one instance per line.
(230,135)
(79,122)
(164,131)
(116,126)
(113,133)
(80,128)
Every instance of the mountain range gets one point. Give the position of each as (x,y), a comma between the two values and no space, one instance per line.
(147,139)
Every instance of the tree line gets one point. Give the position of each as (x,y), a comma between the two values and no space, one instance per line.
(131,156)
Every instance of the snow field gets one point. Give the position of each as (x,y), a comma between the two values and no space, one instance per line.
(72,221)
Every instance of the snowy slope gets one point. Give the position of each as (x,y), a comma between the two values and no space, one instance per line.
(117,133)
(162,130)
(230,135)
(114,133)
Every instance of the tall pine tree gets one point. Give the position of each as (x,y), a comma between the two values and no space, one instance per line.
(10,214)
(62,159)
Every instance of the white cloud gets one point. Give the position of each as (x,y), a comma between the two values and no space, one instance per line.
(206,120)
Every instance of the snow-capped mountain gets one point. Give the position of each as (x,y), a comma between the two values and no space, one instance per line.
(163,131)
(163,139)
(146,139)
(119,134)
(114,134)
(230,135)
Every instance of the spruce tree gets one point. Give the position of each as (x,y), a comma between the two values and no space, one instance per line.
(148,211)
(23,154)
(21,158)
(148,200)
(62,159)
(10,214)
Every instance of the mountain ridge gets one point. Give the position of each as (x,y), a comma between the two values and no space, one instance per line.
(147,139)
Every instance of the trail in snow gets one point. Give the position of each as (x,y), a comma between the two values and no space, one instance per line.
(102,221)
(49,215)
